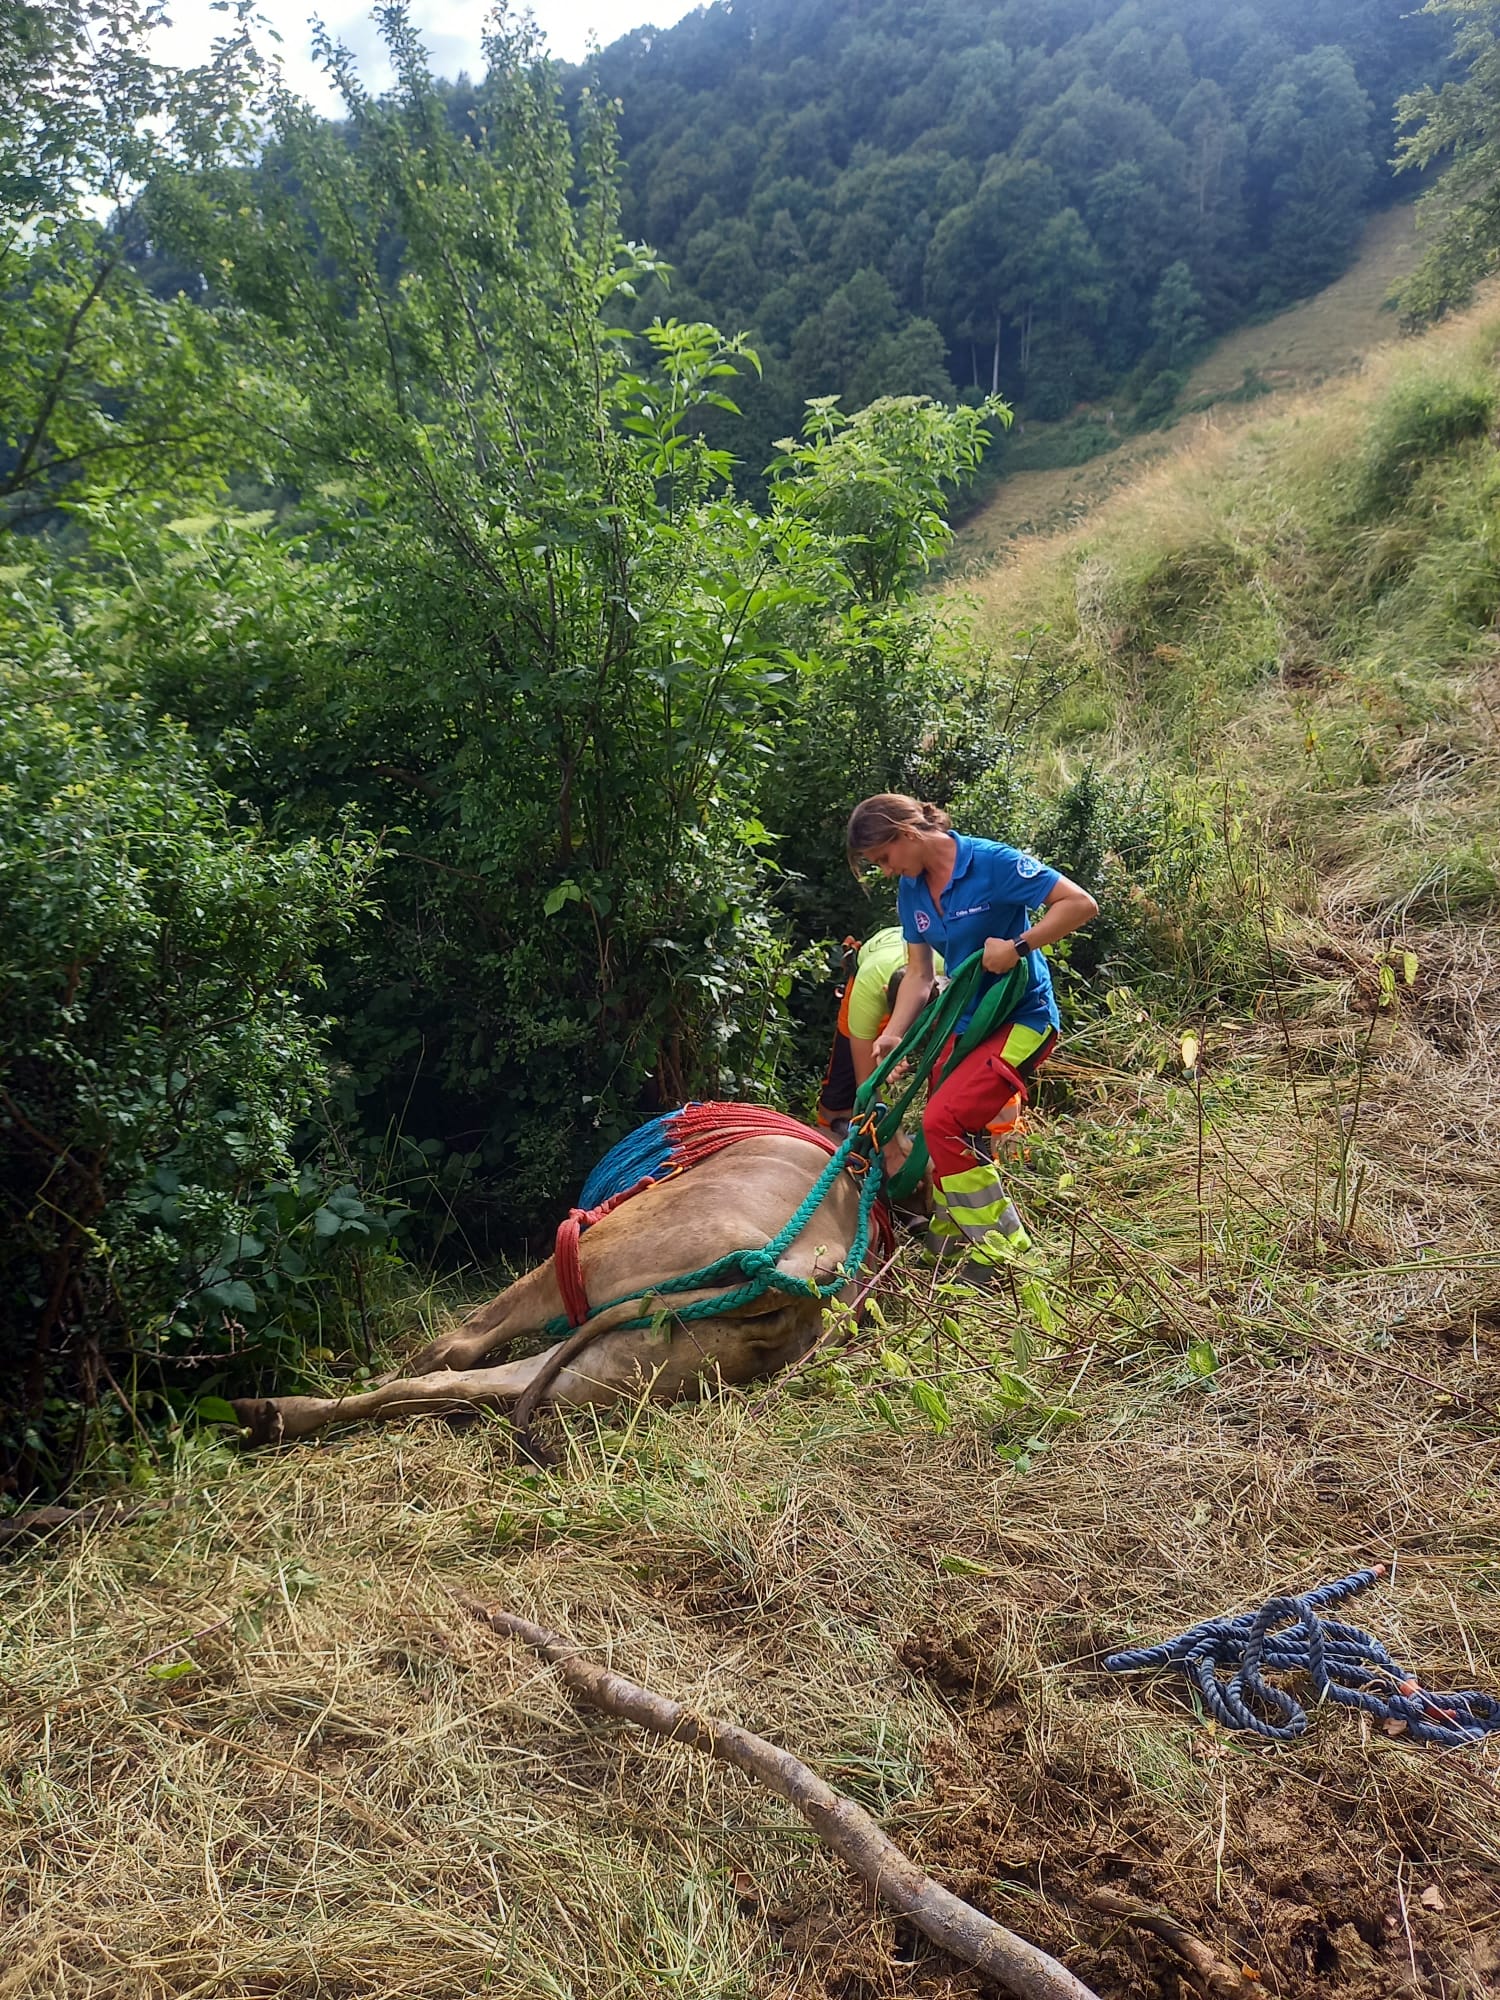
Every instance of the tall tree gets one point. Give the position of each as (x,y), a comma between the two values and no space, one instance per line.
(1176,311)
(1312,167)
(105,388)
(986,260)
(1459,122)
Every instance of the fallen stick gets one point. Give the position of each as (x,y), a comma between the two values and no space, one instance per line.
(1221,1981)
(956,1926)
(94,1514)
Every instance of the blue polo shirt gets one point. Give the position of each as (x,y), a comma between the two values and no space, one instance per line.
(993,892)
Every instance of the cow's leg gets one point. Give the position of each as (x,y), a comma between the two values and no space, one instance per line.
(522,1308)
(437,1392)
(619,1362)
(444,1393)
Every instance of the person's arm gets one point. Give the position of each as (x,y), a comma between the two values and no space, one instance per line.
(863,1052)
(916,991)
(1066,908)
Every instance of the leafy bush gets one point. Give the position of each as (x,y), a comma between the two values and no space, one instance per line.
(1178,913)
(554,651)
(1159,397)
(1422,419)
(155,962)
(880,710)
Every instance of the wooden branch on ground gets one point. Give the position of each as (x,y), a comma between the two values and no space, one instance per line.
(956,1926)
(96,1514)
(1221,1981)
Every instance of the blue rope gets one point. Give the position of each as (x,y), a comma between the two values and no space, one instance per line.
(644,1154)
(1344,1664)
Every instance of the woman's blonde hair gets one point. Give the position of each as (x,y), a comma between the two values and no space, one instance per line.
(886,817)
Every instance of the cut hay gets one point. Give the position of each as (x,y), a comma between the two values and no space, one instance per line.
(341,1787)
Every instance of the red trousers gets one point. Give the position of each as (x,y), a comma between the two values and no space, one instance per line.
(971,1097)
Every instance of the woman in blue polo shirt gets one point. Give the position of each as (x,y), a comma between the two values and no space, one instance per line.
(956,896)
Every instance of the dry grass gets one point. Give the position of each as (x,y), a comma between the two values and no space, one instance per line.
(351,1790)
(1213,482)
(249,1747)
(1328,333)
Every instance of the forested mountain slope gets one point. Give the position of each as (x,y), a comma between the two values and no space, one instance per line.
(1048,199)
(1046,475)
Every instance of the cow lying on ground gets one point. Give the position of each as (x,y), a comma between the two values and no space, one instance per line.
(738,1199)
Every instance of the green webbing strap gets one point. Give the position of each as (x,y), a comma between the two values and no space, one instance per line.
(922,1043)
(920,1046)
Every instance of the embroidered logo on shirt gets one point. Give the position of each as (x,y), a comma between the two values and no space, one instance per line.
(924,922)
(1026,867)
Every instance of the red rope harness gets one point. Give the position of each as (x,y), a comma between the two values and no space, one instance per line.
(698,1132)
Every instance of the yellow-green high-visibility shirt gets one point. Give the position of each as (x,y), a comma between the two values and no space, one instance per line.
(881,957)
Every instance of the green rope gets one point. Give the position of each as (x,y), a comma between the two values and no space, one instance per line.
(922,1043)
(757,1269)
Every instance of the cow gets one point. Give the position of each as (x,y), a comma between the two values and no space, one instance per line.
(737,1199)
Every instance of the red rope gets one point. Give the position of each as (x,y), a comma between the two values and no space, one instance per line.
(565,1260)
(698,1132)
(701,1130)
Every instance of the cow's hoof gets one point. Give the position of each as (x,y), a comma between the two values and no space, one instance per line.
(261,1420)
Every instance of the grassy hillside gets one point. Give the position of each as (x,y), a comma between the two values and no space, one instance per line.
(1324,336)
(250,1746)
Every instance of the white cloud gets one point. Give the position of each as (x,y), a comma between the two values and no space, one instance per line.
(453,35)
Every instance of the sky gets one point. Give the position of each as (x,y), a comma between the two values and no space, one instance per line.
(452,33)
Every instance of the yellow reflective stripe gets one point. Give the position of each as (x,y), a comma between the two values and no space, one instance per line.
(973,1180)
(990,1202)
(977,1199)
(941,1223)
(1022,1042)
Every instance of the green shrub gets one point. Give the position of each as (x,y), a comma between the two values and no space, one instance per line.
(879,711)
(1176,910)
(156,961)
(1159,397)
(1423,418)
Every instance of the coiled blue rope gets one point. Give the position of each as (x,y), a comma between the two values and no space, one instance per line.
(1344,1664)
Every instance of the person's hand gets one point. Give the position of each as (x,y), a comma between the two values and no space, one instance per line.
(886,1044)
(1001,955)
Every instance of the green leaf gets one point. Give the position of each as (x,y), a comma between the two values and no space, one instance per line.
(932,1405)
(565,892)
(1201,1359)
(884,1410)
(956,1565)
(1033,1295)
(171,1670)
(214,1410)
(236,1296)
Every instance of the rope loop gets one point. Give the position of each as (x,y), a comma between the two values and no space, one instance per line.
(1345,1665)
